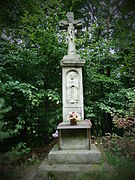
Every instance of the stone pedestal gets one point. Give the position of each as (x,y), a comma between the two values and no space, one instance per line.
(74,136)
(74,146)
(80,156)
(74,140)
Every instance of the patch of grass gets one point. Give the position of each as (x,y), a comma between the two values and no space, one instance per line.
(124,167)
(103,176)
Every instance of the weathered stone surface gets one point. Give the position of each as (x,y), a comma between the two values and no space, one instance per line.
(69,167)
(72,90)
(71,24)
(72,87)
(72,61)
(74,137)
(92,156)
(73,171)
(80,125)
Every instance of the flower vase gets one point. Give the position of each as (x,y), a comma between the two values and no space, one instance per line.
(73,122)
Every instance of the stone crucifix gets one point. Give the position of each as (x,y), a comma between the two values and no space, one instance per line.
(71,24)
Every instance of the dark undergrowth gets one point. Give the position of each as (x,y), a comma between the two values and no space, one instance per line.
(115,164)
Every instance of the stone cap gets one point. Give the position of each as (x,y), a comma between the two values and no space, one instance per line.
(72,60)
(80,125)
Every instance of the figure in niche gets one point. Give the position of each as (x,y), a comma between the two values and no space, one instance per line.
(72,88)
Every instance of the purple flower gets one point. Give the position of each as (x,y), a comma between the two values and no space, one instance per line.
(55,135)
(88,122)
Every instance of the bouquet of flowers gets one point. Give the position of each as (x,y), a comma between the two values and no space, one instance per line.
(73,117)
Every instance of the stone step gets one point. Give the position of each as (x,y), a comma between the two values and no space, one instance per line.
(72,171)
(92,156)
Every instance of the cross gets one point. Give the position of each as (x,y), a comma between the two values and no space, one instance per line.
(70,24)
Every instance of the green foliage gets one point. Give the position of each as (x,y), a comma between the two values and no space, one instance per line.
(31,48)
(4,133)
(108,48)
(19,150)
(120,146)
(17,153)
(121,102)
(31,74)
(125,167)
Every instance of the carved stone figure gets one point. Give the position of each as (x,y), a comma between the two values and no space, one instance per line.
(71,24)
(71,39)
(72,87)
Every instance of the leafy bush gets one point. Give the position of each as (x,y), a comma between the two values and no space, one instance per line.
(119,146)
(4,133)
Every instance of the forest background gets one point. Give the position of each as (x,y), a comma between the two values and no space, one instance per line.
(31,48)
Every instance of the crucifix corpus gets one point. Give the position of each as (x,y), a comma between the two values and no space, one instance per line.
(71,24)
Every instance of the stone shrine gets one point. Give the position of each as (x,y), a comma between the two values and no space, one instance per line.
(72,64)
(74,145)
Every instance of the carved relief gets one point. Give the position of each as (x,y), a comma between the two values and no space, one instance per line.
(71,39)
(72,87)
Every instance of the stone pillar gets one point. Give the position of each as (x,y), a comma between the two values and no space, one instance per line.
(72,85)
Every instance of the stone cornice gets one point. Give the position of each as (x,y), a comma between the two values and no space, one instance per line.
(72,60)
